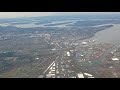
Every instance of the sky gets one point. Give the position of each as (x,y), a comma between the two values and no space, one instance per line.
(24,14)
(33,14)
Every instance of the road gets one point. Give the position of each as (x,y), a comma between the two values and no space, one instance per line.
(47,69)
(62,67)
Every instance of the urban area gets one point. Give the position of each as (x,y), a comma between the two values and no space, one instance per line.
(60,47)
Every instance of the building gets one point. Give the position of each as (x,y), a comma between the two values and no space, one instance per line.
(115,59)
(84,43)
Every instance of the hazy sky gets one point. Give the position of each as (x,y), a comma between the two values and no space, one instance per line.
(23,14)
(32,14)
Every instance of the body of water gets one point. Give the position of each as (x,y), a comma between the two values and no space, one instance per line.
(110,35)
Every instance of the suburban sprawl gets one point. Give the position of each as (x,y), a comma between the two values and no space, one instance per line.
(60,47)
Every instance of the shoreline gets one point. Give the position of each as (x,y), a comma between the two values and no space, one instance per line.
(96,33)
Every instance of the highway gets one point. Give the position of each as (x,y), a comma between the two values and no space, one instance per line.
(48,68)
(64,67)
(61,67)
(39,67)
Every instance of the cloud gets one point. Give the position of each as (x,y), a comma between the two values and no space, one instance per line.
(32,14)
(24,14)
(85,13)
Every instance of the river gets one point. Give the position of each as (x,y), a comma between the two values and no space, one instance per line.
(109,35)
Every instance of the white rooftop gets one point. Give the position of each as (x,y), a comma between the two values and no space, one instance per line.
(68,53)
(36,58)
(80,75)
(81,55)
(90,77)
(84,42)
(115,59)
(53,49)
(88,74)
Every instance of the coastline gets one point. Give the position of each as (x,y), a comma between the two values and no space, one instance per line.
(88,37)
